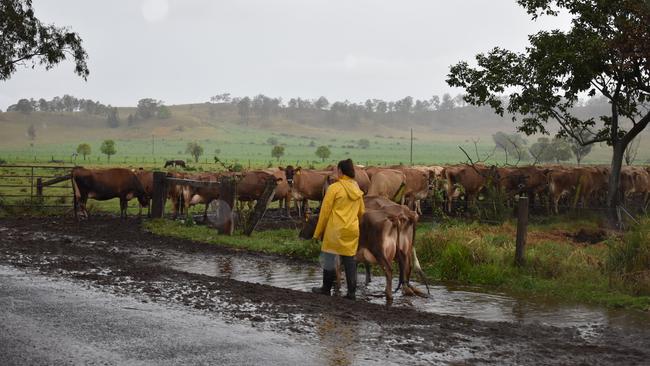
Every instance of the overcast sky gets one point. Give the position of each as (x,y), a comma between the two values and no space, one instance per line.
(183,51)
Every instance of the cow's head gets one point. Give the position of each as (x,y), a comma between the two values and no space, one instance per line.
(289,172)
(308,227)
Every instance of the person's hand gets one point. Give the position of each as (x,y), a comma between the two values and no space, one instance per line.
(315,241)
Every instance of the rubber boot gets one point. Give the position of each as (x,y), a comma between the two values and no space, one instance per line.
(351,278)
(328,281)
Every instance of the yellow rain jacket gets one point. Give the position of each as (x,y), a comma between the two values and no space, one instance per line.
(338,222)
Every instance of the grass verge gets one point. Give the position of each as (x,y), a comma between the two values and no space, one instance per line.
(557,267)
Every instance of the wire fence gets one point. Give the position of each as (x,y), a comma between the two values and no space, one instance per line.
(46,186)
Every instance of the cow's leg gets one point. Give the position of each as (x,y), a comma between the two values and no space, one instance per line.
(337,282)
(368,274)
(388,271)
(123,205)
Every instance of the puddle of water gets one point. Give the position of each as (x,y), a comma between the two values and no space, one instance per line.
(456,301)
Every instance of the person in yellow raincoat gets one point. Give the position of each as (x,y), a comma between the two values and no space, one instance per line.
(338,228)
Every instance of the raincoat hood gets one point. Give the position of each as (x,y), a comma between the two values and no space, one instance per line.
(351,188)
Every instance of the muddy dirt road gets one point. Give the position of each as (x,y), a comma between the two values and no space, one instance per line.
(106,266)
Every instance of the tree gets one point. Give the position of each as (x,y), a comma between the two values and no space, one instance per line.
(83,149)
(272,141)
(108,149)
(321,103)
(632,150)
(113,118)
(164,112)
(512,145)
(25,41)
(277,152)
(244,109)
(546,151)
(579,150)
(147,108)
(447,103)
(24,106)
(194,149)
(31,132)
(323,152)
(605,51)
(363,143)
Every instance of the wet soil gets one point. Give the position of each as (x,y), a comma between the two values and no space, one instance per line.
(119,257)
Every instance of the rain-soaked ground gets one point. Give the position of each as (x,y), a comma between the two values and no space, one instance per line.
(269,294)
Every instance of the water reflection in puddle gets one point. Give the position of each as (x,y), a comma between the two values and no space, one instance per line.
(457,301)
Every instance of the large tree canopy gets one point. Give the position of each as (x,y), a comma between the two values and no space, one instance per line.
(605,51)
(25,40)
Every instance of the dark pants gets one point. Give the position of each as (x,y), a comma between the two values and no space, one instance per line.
(328,261)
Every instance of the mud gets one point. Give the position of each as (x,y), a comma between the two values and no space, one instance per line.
(120,258)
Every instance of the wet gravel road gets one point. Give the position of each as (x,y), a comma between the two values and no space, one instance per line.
(101,292)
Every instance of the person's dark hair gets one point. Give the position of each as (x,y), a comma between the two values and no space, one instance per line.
(347,167)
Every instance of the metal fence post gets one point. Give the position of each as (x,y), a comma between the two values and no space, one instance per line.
(522,230)
(158,196)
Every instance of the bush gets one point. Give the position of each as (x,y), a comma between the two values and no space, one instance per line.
(628,261)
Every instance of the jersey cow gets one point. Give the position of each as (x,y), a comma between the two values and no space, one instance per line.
(387,231)
(106,184)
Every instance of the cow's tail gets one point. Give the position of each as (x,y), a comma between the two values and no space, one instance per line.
(416,261)
(397,219)
(416,265)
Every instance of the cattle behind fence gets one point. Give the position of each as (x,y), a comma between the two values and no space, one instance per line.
(35,186)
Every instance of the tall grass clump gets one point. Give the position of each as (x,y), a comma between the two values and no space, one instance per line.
(629,259)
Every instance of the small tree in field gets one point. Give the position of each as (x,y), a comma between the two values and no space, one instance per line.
(108,149)
(323,152)
(194,149)
(277,152)
(31,132)
(83,149)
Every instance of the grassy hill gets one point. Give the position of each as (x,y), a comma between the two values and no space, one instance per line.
(221,132)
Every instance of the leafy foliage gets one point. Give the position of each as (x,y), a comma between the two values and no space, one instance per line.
(194,149)
(277,152)
(108,148)
(323,152)
(84,149)
(26,40)
(605,51)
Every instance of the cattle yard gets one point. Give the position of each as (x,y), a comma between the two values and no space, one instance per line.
(509,253)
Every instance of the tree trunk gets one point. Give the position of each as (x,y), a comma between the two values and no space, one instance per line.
(613,192)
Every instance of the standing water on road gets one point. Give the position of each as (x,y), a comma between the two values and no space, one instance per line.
(458,301)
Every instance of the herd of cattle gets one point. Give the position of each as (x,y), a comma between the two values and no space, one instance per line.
(585,185)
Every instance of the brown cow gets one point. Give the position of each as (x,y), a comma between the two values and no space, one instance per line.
(635,181)
(251,185)
(472,180)
(388,183)
(387,231)
(561,182)
(283,190)
(179,194)
(106,184)
(146,179)
(306,185)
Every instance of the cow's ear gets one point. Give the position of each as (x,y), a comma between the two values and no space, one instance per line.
(281,168)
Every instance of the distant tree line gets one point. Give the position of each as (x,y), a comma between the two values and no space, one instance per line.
(147,108)
(339,113)
(66,103)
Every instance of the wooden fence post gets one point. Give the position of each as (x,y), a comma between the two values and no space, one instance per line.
(159,195)
(522,230)
(39,188)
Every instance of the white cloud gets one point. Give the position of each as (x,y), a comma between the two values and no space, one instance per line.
(155,10)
